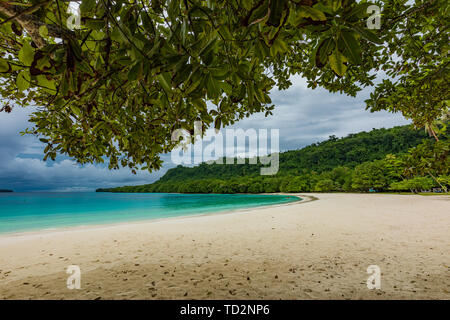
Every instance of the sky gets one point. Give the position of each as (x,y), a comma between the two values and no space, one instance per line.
(302,115)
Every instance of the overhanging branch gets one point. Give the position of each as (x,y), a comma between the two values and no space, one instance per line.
(30,23)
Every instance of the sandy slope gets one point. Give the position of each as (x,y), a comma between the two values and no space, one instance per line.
(319,249)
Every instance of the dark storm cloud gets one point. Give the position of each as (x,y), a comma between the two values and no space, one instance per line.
(22,168)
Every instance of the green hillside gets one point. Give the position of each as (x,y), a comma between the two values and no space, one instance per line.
(348,151)
(357,162)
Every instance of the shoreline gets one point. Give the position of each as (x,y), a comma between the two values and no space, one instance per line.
(93,227)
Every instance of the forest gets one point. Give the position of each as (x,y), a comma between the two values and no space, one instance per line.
(395,159)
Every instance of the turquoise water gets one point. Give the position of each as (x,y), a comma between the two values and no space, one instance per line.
(35,211)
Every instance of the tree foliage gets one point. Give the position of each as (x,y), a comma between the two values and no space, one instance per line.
(372,175)
(416,59)
(134,71)
(415,184)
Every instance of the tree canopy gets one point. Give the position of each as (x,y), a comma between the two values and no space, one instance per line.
(117,86)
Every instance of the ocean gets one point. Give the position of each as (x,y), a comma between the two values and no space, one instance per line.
(37,211)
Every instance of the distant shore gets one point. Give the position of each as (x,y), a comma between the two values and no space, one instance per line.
(6,190)
(301,250)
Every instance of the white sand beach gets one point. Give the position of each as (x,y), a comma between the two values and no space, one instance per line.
(314,250)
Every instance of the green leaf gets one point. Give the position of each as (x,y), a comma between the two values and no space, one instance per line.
(183,31)
(213,87)
(135,71)
(4,65)
(64,87)
(312,13)
(75,110)
(368,35)
(324,7)
(43,63)
(26,54)
(147,22)
(164,81)
(278,46)
(260,96)
(225,32)
(87,6)
(336,5)
(200,104)
(182,74)
(174,9)
(337,61)
(250,93)
(23,80)
(117,35)
(43,31)
(95,24)
(208,47)
(276,11)
(350,46)
(323,51)
(47,85)
(359,11)
(76,49)
(226,87)
(217,123)
(220,73)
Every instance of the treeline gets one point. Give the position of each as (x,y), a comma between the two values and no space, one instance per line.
(397,159)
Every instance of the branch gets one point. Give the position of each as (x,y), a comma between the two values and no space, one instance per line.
(26,11)
(410,12)
(247,18)
(30,23)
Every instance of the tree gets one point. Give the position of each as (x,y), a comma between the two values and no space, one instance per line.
(415,184)
(255,187)
(134,71)
(430,158)
(325,185)
(340,176)
(374,174)
(417,62)
(444,182)
(298,184)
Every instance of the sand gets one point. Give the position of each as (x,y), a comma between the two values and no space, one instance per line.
(314,250)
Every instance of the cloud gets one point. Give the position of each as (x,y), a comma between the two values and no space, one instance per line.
(22,168)
(34,174)
(302,115)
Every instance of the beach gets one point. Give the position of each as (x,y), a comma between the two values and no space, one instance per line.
(319,248)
